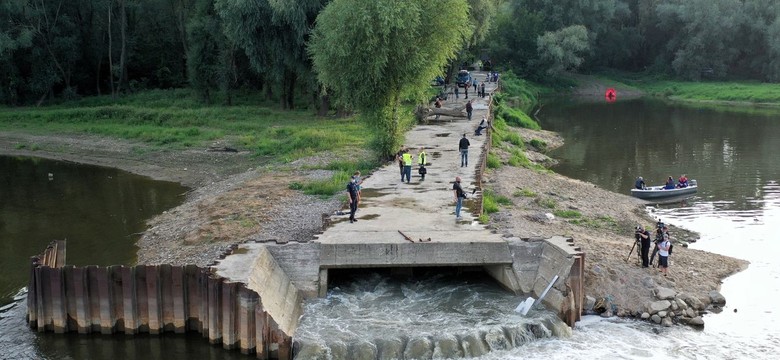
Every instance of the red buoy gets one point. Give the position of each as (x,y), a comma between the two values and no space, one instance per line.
(610,95)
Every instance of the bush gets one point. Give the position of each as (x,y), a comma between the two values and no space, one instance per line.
(524,193)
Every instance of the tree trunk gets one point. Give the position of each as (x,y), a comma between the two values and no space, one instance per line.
(123,52)
(110,55)
(324,107)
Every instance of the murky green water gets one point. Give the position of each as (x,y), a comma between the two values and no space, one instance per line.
(100,212)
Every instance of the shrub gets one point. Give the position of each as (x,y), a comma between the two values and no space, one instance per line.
(540,145)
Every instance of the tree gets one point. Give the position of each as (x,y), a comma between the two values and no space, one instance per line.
(373,54)
(562,50)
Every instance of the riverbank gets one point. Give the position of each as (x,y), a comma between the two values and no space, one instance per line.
(235,198)
(731,93)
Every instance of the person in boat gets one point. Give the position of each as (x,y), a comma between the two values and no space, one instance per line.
(669,184)
(640,183)
(682,182)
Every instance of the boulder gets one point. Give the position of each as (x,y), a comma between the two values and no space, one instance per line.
(675,307)
(659,305)
(692,301)
(623,313)
(419,348)
(362,350)
(589,302)
(447,347)
(690,313)
(662,314)
(656,319)
(716,298)
(607,313)
(663,293)
(696,322)
(666,322)
(681,304)
(645,316)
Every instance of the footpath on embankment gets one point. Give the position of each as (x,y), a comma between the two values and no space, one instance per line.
(407,225)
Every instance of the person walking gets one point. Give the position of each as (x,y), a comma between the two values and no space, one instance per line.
(457,91)
(475,85)
(459,196)
(482,90)
(663,255)
(352,195)
(422,157)
(466,91)
(463,146)
(438,106)
(407,159)
(399,158)
(469,109)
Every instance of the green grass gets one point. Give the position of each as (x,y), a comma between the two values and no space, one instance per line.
(175,119)
(540,145)
(702,91)
(491,201)
(524,193)
(342,172)
(567,214)
(483,218)
(514,139)
(547,203)
(493,162)
(600,222)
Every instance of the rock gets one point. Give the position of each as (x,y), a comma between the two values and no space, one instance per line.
(419,348)
(696,322)
(473,345)
(716,298)
(674,306)
(601,305)
(589,302)
(656,319)
(684,320)
(645,316)
(662,314)
(666,322)
(388,349)
(607,313)
(692,301)
(496,339)
(648,282)
(663,293)
(447,347)
(363,350)
(659,305)
(690,313)
(681,304)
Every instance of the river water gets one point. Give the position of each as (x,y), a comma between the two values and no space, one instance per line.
(731,153)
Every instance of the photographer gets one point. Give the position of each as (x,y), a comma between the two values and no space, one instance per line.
(660,230)
(643,237)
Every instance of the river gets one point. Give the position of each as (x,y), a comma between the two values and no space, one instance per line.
(730,153)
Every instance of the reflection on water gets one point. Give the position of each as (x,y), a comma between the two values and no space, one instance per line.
(733,157)
(730,154)
(98,210)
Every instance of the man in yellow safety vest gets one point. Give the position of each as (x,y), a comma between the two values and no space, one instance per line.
(422,157)
(406,157)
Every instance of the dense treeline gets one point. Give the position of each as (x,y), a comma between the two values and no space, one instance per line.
(71,48)
(687,39)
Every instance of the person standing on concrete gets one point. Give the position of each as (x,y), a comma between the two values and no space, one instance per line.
(437,105)
(400,159)
(352,195)
(469,109)
(457,91)
(463,146)
(407,159)
(459,196)
(358,183)
(475,85)
(482,90)
(422,157)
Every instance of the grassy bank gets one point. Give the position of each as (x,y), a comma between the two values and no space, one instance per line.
(718,92)
(175,119)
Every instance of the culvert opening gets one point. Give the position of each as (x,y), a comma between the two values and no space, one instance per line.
(442,312)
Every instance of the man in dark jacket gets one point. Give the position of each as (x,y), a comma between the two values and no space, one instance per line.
(644,238)
(464,151)
(352,195)
(469,109)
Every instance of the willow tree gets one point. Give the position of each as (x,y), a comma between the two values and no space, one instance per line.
(373,54)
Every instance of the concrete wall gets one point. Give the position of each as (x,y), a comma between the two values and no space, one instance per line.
(537,261)
(152,299)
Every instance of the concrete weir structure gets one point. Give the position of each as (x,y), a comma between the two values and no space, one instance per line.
(252,299)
